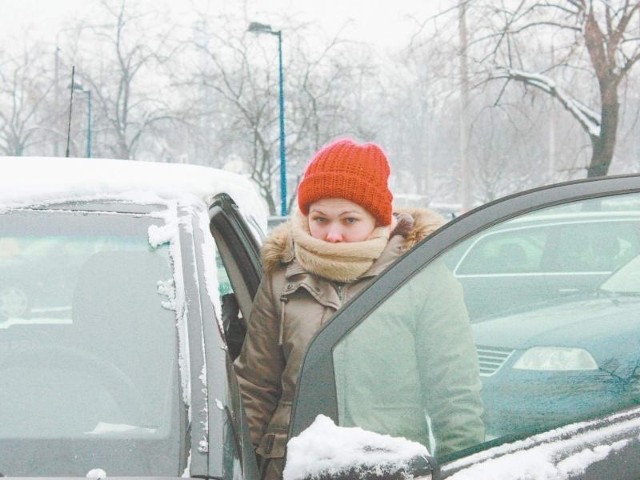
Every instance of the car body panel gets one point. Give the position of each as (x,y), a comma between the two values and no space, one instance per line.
(486,462)
(583,450)
(547,325)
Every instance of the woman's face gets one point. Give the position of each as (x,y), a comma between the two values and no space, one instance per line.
(338,220)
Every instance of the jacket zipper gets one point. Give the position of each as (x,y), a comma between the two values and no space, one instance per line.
(283,303)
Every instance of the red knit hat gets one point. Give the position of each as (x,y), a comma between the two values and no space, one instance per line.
(356,172)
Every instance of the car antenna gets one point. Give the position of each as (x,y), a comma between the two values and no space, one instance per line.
(73,73)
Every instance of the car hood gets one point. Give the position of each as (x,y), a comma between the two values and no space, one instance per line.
(571,323)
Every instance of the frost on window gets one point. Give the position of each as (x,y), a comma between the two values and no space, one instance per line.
(87,329)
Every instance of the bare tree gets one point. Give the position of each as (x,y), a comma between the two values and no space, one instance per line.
(131,91)
(238,85)
(240,102)
(335,90)
(24,87)
(600,30)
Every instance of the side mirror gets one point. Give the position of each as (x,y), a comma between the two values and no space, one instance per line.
(325,451)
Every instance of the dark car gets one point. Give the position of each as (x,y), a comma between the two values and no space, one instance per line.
(559,384)
(575,357)
(116,357)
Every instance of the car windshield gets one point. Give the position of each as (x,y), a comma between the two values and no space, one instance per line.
(88,351)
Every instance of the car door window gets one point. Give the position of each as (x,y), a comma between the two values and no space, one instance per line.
(516,251)
(556,252)
(395,371)
(417,365)
(595,246)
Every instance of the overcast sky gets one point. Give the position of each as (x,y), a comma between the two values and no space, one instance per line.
(382,22)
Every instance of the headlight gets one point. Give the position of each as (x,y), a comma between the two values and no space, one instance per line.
(556,359)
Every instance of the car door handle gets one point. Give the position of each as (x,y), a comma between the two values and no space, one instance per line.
(567,291)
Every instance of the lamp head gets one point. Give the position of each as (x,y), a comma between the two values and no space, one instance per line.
(257,27)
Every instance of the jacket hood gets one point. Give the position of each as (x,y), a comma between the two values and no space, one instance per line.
(278,247)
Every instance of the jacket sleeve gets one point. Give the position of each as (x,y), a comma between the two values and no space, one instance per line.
(260,363)
(451,383)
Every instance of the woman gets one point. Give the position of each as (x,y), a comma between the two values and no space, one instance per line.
(343,235)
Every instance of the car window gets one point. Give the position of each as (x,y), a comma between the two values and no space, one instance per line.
(233,321)
(552,253)
(565,246)
(516,251)
(420,366)
(88,343)
(594,246)
(238,274)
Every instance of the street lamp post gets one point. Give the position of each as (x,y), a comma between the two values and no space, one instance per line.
(256,27)
(79,88)
(89,126)
(88,147)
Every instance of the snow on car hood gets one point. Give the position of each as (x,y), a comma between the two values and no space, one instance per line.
(581,321)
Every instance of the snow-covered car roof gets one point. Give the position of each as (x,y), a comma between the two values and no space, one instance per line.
(28,181)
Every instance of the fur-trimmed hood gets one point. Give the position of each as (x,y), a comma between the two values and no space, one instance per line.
(414,225)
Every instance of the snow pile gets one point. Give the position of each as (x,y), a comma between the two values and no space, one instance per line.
(539,464)
(325,450)
(563,453)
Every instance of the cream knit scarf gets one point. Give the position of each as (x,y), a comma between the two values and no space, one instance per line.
(340,262)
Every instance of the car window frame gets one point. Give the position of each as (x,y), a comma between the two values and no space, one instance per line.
(240,253)
(198,399)
(238,247)
(317,368)
(207,348)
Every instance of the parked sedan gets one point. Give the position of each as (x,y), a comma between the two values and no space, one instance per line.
(575,358)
